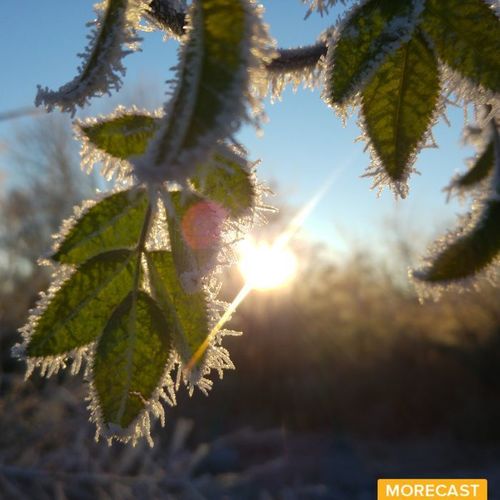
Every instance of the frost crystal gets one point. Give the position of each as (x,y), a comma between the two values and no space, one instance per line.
(111,166)
(167,157)
(113,37)
(297,67)
(321,6)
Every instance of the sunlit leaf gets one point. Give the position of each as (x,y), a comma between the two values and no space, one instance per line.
(194,228)
(470,253)
(398,105)
(122,136)
(482,167)
(227,181)
(79,311)
(130,359)
(466,35)
(113,223)
(189,310)
(224,178)
(373,30)
(210,97)
(112,38)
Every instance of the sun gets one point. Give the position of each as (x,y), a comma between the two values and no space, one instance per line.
(265,266)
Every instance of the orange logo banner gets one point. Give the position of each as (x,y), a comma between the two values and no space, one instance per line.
(432,489)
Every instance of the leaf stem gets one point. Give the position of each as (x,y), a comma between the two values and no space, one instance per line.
(141,245)
(287,60)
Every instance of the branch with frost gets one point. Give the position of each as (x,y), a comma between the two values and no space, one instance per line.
(297,58)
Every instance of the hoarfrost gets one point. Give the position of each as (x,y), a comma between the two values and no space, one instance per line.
(166,157)
(114,35)
(90,155)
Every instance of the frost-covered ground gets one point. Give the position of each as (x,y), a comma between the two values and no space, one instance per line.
(47,451)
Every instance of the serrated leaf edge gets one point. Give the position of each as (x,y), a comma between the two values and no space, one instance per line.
(48,365)
(90,154)
(376,170)
(353,97)
(69,223)
(141,426)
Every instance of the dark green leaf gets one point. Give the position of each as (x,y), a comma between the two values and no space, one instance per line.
(466,34)
(367,38)
(227,181)
(194,234)
(479,171)
(113,223)
(130,359)
(398,105)
(470,253)
(123,136)
(189,310)
(79,311)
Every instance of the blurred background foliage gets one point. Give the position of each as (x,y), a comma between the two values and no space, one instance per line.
(344,352)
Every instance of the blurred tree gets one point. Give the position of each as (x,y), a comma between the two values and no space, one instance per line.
(43,183)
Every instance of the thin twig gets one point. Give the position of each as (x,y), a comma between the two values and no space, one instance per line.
(165,15)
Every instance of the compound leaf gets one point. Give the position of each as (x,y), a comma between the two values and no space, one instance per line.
(130,359)
(191,323)
(113,223)
(80,309)
(466,35)
(225,178)
(470,253)
(398,105)
(122,136)
(373,30)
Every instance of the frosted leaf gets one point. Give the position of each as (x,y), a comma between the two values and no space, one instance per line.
(112,165)
(140,427)
(363,40)
(400,104)
(231,80)
(463,257)
(113,36)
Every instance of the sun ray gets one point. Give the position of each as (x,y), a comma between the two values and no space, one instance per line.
(280,243)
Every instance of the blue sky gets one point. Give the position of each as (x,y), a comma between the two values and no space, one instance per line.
(303,142)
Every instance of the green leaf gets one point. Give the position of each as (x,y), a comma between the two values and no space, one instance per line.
(130,359)
(210,95)
(469,254)
(122,136)
(113,223)
(466,35)
(191,323)
(479,171)
(194,231)
(113,37)
(227,181)
(398,105)
(367,38)
(80,309)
